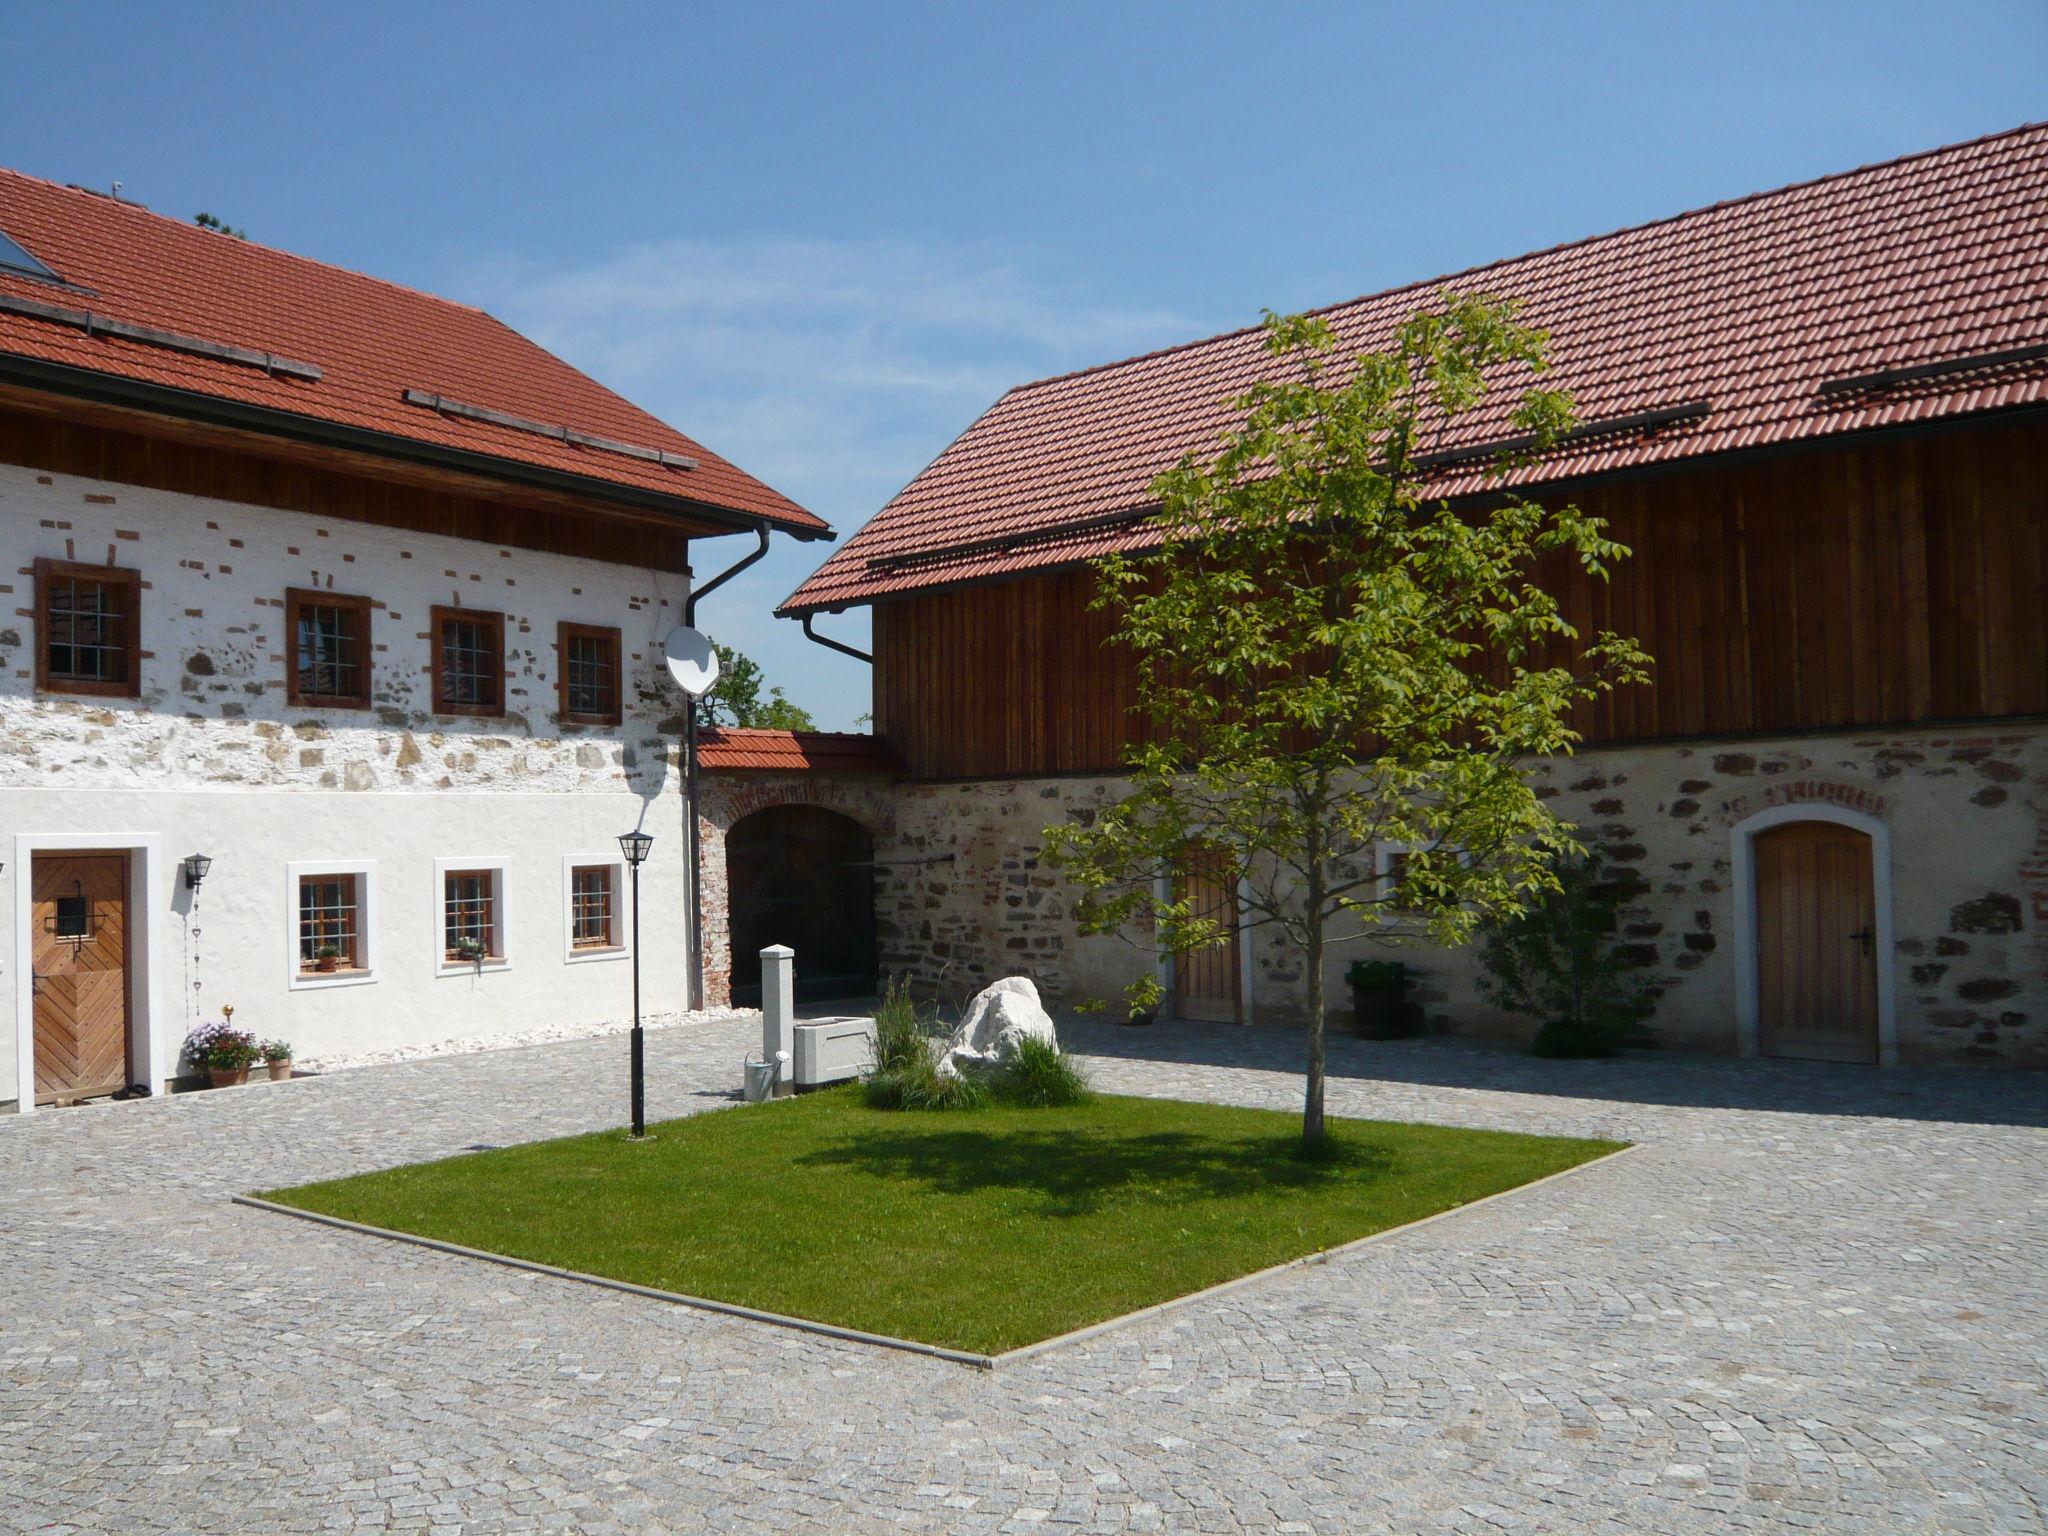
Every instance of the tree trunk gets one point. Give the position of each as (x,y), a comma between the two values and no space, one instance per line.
(1312,1100)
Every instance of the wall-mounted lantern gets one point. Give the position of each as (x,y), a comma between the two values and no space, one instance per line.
(196,865)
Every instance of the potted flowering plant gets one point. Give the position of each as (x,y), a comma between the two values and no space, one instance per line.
(223,1052)
(469,950)
(326,958)
(277,1056)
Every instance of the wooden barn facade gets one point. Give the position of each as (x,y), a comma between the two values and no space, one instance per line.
(1819,417)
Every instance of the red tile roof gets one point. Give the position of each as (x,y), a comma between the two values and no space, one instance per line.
(370,340)
(727,749)
(1746,309)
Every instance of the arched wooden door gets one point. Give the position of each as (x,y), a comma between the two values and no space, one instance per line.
(1816,942)
(803,876)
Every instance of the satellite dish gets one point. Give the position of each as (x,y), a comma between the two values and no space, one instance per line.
(691,660)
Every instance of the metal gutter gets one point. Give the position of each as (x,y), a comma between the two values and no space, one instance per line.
(834,645)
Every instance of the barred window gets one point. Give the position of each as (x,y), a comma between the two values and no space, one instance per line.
(470,914)
(590,674)
(330,659)
(329,920)
(469,662)
(87,619)
(590,907)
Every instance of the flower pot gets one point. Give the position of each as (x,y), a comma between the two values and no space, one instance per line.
(327,963)
(1380,1013)
(279,1070)
(228,1077)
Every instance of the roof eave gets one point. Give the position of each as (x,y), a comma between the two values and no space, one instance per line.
(211,410)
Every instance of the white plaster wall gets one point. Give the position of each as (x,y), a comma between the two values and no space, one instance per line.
(236,944)
(211,759)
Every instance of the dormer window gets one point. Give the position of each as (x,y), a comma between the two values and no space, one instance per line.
(15,261)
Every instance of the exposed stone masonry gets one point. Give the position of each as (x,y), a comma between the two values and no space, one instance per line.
(212,707)
(964,896)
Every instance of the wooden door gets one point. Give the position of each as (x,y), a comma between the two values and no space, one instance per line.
(1205,982)
(1816,940)
(79,944)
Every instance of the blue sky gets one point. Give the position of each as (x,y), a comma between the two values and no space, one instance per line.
(823,238)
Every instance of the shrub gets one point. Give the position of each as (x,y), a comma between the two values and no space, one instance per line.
(1376,975)
(1559,963)
(1042,1077)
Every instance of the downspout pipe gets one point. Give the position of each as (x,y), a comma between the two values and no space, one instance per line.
(833,645)
(697,595)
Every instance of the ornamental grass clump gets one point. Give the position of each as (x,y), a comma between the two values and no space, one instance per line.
(1041,1077)
(906,1074)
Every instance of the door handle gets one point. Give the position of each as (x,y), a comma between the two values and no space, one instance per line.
(1868,940)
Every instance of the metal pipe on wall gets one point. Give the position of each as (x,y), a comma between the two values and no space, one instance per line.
(697,595)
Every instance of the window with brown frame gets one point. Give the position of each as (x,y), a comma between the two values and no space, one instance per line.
(88,629)
(329,663)
(469,662)
(590,684)
(591,915)
(469,915)
(329,920)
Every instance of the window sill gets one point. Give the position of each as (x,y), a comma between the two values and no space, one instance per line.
(318,981)
(596,952)
(472,967)
(85,690)
(311,701)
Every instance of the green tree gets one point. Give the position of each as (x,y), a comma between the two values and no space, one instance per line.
(1329,660)
(218,226)
(736,698)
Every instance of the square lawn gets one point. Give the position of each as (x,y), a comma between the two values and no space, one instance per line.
(978,1230)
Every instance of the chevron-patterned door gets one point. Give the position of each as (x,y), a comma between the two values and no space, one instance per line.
(79,940)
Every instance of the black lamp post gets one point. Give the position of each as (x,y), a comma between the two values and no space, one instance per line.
(635,846)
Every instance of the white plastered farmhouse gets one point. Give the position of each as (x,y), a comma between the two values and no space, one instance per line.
(352,593)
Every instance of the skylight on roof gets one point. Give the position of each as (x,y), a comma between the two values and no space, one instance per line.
(16,260)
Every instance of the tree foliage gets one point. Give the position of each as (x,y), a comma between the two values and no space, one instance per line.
(736,698)
(1559,962)
(1327,660)
(219,226)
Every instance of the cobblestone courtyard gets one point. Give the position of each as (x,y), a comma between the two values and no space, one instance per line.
(1813,1300)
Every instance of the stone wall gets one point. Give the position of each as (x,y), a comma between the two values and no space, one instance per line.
(1967,813)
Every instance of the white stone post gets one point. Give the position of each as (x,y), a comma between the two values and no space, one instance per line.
(778,1013)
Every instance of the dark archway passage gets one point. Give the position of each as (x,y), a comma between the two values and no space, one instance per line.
(803,876)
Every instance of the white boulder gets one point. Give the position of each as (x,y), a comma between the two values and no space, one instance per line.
(999,1017)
